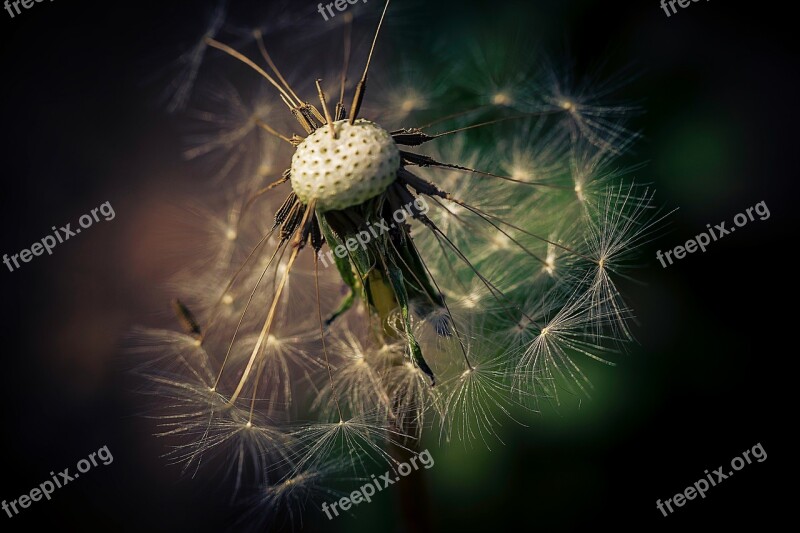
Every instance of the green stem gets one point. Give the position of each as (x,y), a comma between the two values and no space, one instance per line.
(412,491)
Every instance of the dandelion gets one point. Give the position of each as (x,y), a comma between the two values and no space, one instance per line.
(479,397)
(283,502)
(498,279)
(188,65)
(228,135)
(587,113)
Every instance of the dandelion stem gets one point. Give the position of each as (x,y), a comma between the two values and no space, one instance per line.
(334,393)
(264,190)
(447,308)
(510,225)
(218,304)
(247,61)
(259,371)
(268,59)
(496,293)
(325,109)
(244,312)
(451,116)
(480,125)
(348,38)
(425,161)
(267,326)
(269,129)
(301,233)
(362,85)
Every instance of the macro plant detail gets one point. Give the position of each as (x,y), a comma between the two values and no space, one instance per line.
(479,305)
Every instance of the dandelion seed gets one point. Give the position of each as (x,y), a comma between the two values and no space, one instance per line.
(357,441)
(478,397)
(180,90)
(587,113)
(229,135)
(615,232)
(547,359)
(357,379)
(285,358)
(285,501)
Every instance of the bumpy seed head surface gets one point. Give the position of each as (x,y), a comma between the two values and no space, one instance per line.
(358,164)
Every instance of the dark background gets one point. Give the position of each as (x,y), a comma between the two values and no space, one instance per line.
(712,377)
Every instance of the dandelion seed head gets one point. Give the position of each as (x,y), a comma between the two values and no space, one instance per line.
(495,292)
(356,163)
